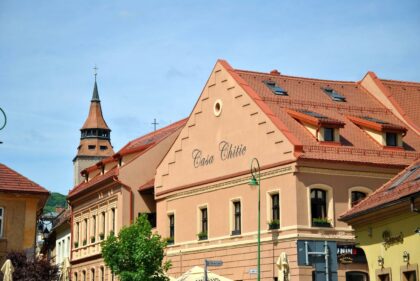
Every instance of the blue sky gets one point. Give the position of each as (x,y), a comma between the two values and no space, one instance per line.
(154,57)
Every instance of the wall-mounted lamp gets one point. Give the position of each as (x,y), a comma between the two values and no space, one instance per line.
(406,257)
(381,261)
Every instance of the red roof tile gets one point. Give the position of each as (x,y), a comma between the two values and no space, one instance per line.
(83,186)
(402,185)
(405,97)
(305,94)
(151,139)
(12,181)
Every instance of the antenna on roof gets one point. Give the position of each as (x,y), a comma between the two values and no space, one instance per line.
(154,123)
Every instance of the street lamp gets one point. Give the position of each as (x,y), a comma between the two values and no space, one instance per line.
(256,181)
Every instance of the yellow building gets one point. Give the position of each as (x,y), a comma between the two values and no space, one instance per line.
(21,203)
(387,226)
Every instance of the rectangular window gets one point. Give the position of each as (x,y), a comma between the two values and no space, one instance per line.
(77,233)
(236,218)
(1,221)
(94,226)
(275,212)
(409,276)
(113,219)
(171,229)
(204,226)
(391,139)
(275,207)
(86,232)
(328,134)
(103,223)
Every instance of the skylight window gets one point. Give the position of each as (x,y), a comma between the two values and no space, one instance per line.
(374,120)
(313,114)
(277,90)
(404,177)
(334,95)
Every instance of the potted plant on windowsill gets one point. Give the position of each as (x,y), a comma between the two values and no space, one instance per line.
(92,239)
(202,235)
(84,242)
(101,236)
(170,241)
(76,244)
(274,224)
(321,222)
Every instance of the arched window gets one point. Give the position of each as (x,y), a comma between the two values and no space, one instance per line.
(92,274)
(357,196)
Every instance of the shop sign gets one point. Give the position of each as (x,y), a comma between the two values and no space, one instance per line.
(347,254)
(226,151)
(390,240)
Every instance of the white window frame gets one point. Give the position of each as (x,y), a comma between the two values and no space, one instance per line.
(366,190)
(269,204)
(199,218)
(232,215)
(330,202)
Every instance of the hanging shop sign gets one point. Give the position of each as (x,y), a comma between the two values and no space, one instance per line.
(227,151)
(350,254)
(390,240)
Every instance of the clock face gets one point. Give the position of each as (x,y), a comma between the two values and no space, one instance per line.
(3,119)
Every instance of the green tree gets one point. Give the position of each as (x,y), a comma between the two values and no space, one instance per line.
(136,254)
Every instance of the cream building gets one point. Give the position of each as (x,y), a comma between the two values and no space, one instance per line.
(115,191)
(322,146)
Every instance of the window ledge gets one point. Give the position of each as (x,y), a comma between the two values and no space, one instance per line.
(335,143)
(393,148)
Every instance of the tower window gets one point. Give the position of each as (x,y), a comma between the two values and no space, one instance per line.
(103,147)
(91,147)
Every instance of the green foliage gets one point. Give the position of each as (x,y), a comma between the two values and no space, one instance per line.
(55,200)
(136,254)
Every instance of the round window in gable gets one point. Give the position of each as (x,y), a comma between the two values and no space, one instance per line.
(217,109)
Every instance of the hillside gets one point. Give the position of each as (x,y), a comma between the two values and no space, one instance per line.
(56,200)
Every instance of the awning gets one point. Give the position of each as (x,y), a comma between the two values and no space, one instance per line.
(197,274)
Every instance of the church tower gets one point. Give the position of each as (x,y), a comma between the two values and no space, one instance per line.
(95,140)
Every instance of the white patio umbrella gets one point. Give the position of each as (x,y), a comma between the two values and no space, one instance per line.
(7,270)
(197,274)
(65,270)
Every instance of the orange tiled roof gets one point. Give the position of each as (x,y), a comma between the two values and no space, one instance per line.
(152,138)
(306,94)
(12,181)
(405,97)
(83,186)
(402,185)
(138,145)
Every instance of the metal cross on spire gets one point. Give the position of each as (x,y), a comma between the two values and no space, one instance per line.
(96,71)
(154,123)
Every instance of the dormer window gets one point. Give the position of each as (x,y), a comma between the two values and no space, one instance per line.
(334,95)
(323,128)
(277,90)
(391,139)
(329,134)
(385,133)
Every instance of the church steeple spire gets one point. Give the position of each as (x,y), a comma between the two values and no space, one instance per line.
(95,139)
